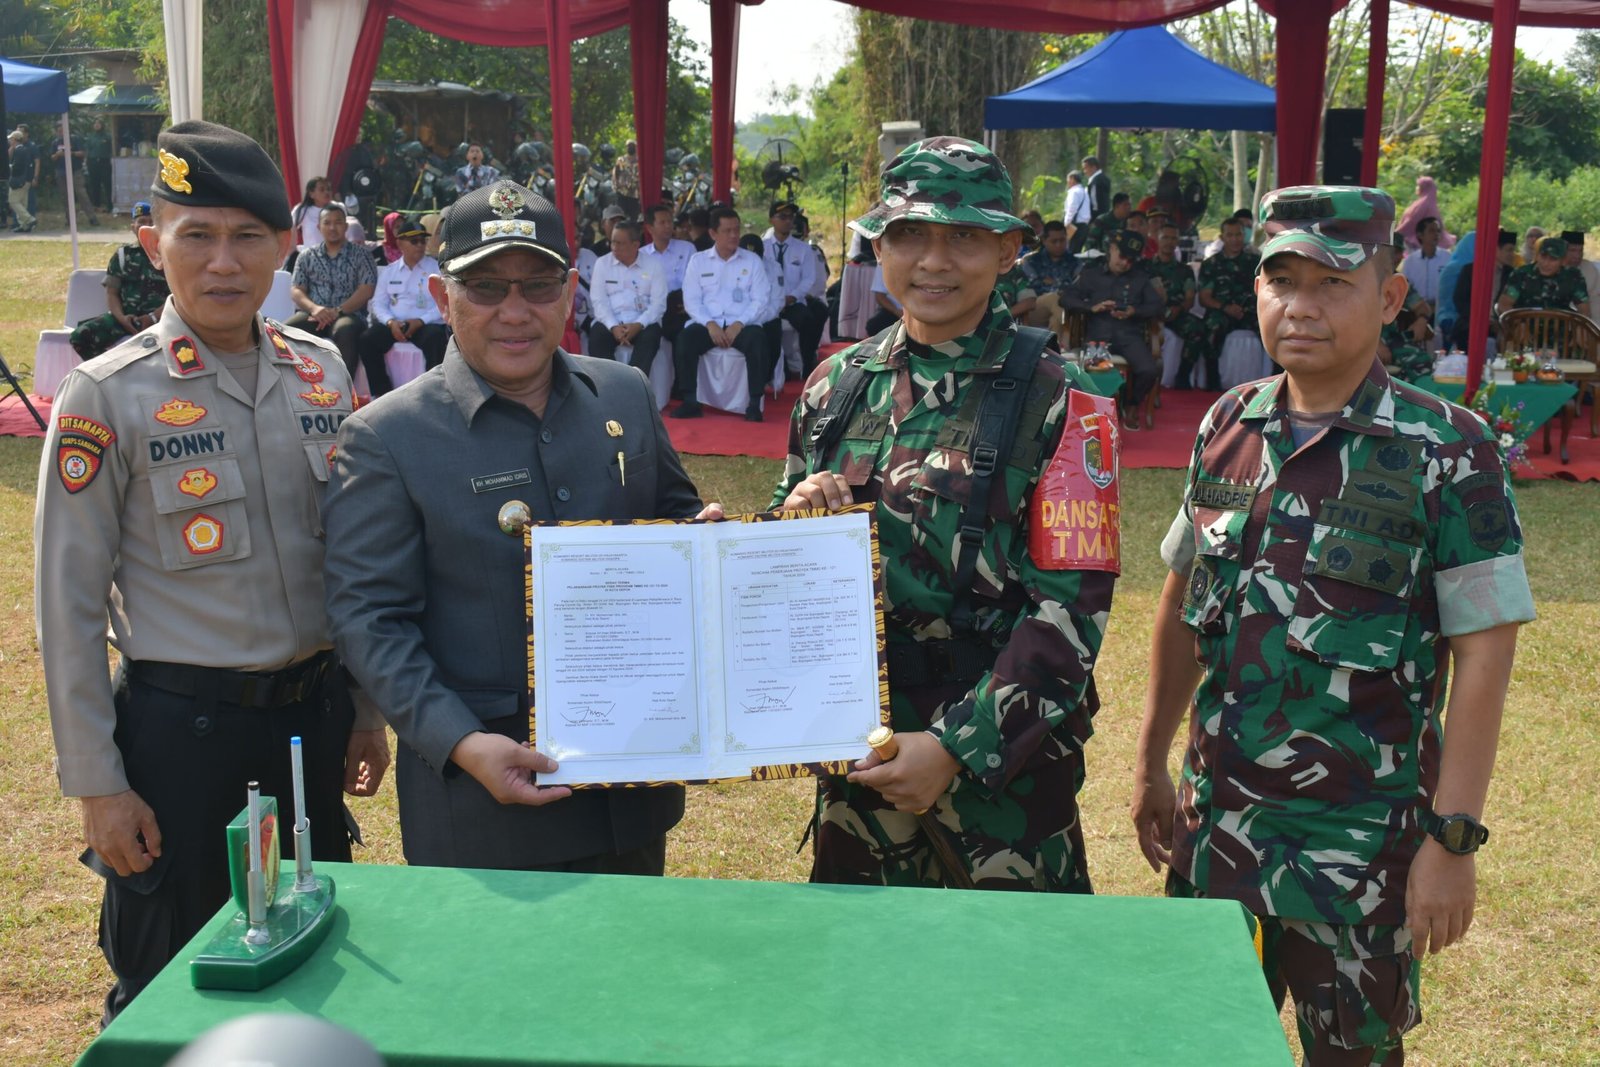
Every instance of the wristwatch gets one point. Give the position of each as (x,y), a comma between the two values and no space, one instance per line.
(1459,833)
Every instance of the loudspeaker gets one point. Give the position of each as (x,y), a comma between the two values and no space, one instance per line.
(1342,130)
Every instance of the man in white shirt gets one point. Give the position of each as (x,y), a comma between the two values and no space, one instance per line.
(674,254)
(1423,267)
(1076,212)
(791,265)
(628,294)
(402,309)
(476,174)
(722,287)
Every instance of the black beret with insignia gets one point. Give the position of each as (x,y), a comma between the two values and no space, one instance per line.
(206,165)
(498,218)
(1131,243)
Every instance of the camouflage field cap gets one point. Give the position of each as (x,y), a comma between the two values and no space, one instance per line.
(1339,226)
(1552,246)
(949,180)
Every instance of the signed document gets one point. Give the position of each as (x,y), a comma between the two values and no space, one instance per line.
(667,651)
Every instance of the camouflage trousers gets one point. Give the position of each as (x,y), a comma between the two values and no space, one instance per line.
(1028,837)
(1411,362)
(1197,350)
(92,337)
(1355,987)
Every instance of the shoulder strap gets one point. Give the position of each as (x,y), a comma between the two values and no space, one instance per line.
(847,392)
(994,434)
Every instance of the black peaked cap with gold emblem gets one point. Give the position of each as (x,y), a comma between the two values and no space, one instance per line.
(206,165)
(498,218)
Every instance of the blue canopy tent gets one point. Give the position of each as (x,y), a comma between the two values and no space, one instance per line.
(1145,79)
(43,90)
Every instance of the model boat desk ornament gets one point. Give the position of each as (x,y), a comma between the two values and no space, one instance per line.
(276,927)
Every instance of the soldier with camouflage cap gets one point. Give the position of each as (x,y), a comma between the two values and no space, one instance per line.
(1122,296)
(1341,535)
(1227,293)
(990,675)
(1546,282)
(180,493)
(135,291)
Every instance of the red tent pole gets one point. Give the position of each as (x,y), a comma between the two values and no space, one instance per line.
(1491,172)
(1377,66)
(1302,68)
(558,25)
(280,47)
(647,48)
(724,77)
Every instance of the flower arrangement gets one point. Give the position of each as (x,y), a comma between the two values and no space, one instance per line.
(1505,422)
(1524,363)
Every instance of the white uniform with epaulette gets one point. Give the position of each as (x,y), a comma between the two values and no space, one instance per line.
(154,488)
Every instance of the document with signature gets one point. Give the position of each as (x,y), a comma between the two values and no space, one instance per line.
(665,651)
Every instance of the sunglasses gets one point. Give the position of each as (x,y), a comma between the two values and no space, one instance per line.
(487,292)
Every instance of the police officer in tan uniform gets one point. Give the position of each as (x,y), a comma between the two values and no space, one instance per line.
(180,493)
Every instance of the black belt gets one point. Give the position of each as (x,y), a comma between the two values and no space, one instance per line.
(943,662)
(244,689)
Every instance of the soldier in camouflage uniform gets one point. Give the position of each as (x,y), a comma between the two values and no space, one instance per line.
(1104,226)
(1227,291)
(1546,283)
(1341,535)
(991,720)
(135,293)
(1015,288)
(1402,337)
(1177,287)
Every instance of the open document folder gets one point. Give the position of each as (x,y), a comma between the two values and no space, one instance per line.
(692,652)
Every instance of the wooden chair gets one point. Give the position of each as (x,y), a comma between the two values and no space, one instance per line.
(1576,341)
(1072,327)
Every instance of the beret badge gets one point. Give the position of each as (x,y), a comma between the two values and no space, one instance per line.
(174,172)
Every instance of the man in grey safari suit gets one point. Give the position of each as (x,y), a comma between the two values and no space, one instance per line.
(425,591)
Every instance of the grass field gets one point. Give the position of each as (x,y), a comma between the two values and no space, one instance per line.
(1522,988)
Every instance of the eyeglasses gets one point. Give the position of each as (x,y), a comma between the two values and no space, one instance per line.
(488,292)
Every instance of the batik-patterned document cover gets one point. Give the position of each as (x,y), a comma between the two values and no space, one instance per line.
(665,652)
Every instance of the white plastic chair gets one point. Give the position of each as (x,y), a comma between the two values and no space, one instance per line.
(1243,359)
(661,371)
(404,362)
(279,305)
(723,383)
(1171,357)
(54,357)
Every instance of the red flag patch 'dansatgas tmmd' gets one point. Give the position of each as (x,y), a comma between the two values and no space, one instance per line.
(80,447)
(1075,523)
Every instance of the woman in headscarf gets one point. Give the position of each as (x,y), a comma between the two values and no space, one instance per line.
(391,244)
(1530,244)
(1425,206)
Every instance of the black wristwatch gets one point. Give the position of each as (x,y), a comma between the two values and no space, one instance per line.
(1460,834)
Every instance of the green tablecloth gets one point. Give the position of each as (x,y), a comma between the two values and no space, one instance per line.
(1541,400)
(1106,382)
(481,967)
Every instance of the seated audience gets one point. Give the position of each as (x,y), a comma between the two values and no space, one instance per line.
(628,294)
(1178,288)
(725,290)
(1403,343)
(1505,255)
(1122,296)
(332,283)
(1423,266)
(1587,268)
(1546,283)
(1104,226)
(674,253)
(791,265)
(402,309)
(135,294)
(307,215)
(889,309)
(1049,269)
(1228,293)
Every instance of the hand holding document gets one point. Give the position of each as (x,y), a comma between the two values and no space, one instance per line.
(702,651)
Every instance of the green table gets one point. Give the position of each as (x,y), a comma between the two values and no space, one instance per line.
(1106,382)
(1541,401)
(488,967)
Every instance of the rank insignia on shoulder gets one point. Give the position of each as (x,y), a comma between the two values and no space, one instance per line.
(1075,519)
(180,412)
(197,482)
(186,356)
(322,398)
(308,369)
(280,347)
(203,535)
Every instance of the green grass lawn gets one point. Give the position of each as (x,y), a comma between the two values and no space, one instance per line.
(1522,988)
